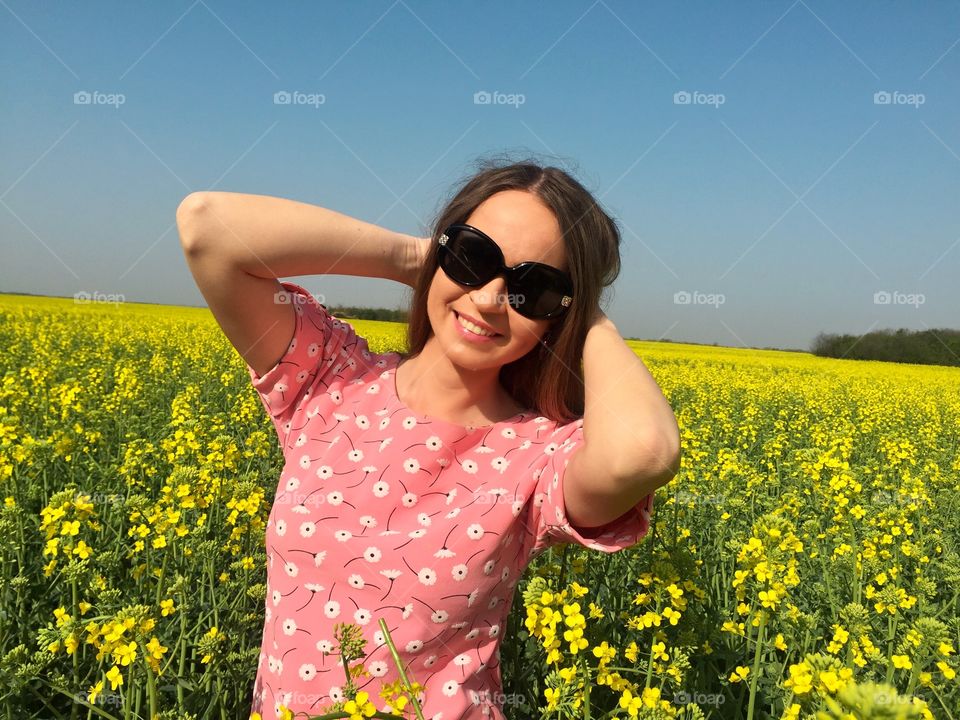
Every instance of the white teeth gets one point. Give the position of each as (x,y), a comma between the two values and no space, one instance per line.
(476,330)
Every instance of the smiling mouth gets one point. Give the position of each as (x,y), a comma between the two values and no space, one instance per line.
(477,330)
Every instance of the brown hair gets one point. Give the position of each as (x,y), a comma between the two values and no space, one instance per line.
(549,378)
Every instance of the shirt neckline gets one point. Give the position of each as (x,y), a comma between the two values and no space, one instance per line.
(432,420)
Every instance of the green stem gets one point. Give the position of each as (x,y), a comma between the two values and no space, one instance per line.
(756,665)
(399,664)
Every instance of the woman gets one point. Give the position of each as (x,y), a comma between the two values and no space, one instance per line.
(418,486)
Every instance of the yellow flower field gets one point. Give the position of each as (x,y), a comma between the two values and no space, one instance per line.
(803,564)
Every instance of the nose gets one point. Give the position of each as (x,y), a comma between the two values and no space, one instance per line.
(491,297)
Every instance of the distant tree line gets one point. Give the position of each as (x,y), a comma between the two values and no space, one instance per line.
(924,347)
(365,313)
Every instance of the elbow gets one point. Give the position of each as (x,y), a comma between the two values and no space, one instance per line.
(657,463)
(190,220)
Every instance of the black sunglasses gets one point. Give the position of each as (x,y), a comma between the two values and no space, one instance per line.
(470,257)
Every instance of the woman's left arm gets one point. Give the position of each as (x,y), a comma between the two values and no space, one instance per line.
(631,437)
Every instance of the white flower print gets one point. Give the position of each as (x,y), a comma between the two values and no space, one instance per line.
(369,468)
(385,442)
(418,533)
(384,422)
(313,349)
(335,498)
(459,572)
(484,449)
(427,576)
(508,433)
(319,557)
(494,631)
(424,519)
(409,423)
(472,597)
(300,509)
(289,626)
(450,688)
(356,581)
(475,531)
(525,444)
(325,646)
(499,464)
(336,694)
(372,554)
(281,527)
(378,668)
(281,699)
(362,422)
(516,507)
(336,396)
(307,529)
(407,610)
(430,661)
(331,609)
(414,646)
(381,489)
(444,553)
(550,449)
(307,672)
(451,495)
(291,569)
(373,388)
(355,455)
(343,535)
(281,387)
(313,587)
(368,521)
(324,472)
(505,573)
(362,616)
(443,462)
(409,499)
(340,417)
(434,443)
(292,484)
(411,465)
(488,567)
(391,574)
(272,663)
(462,660)
(472,634)
(453,513)
(276,597)
(493,602)
(305,462)
(469,466)
(439,616)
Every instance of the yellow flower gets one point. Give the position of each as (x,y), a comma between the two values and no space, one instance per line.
(658,651)
(115,677)
(95,692)
(779,643)
(166,607)
(948,672)
(630,703)
(739,674)
(360,707)
(82,549)
(672,615)
(801,678)
(902,662)
(125,654)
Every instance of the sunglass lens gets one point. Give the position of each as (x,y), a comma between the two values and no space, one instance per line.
(538,293)
(469,259)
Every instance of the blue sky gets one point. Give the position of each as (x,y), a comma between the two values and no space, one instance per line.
(785,198)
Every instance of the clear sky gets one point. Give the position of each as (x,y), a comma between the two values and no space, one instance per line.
(765,190)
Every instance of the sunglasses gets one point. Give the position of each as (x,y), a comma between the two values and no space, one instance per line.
(470,257)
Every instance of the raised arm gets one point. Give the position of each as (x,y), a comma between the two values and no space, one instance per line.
(237,245)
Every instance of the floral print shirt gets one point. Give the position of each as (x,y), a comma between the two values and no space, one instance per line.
(384,513)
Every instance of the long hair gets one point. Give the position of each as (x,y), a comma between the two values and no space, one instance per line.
(549,378)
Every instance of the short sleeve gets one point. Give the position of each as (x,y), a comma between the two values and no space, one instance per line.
(547,519)
(322,350)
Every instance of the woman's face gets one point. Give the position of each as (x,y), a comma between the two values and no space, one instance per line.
(525,229)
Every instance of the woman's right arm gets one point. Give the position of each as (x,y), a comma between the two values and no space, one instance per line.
(237,245)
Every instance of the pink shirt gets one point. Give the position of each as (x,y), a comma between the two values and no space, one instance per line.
(380,512)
